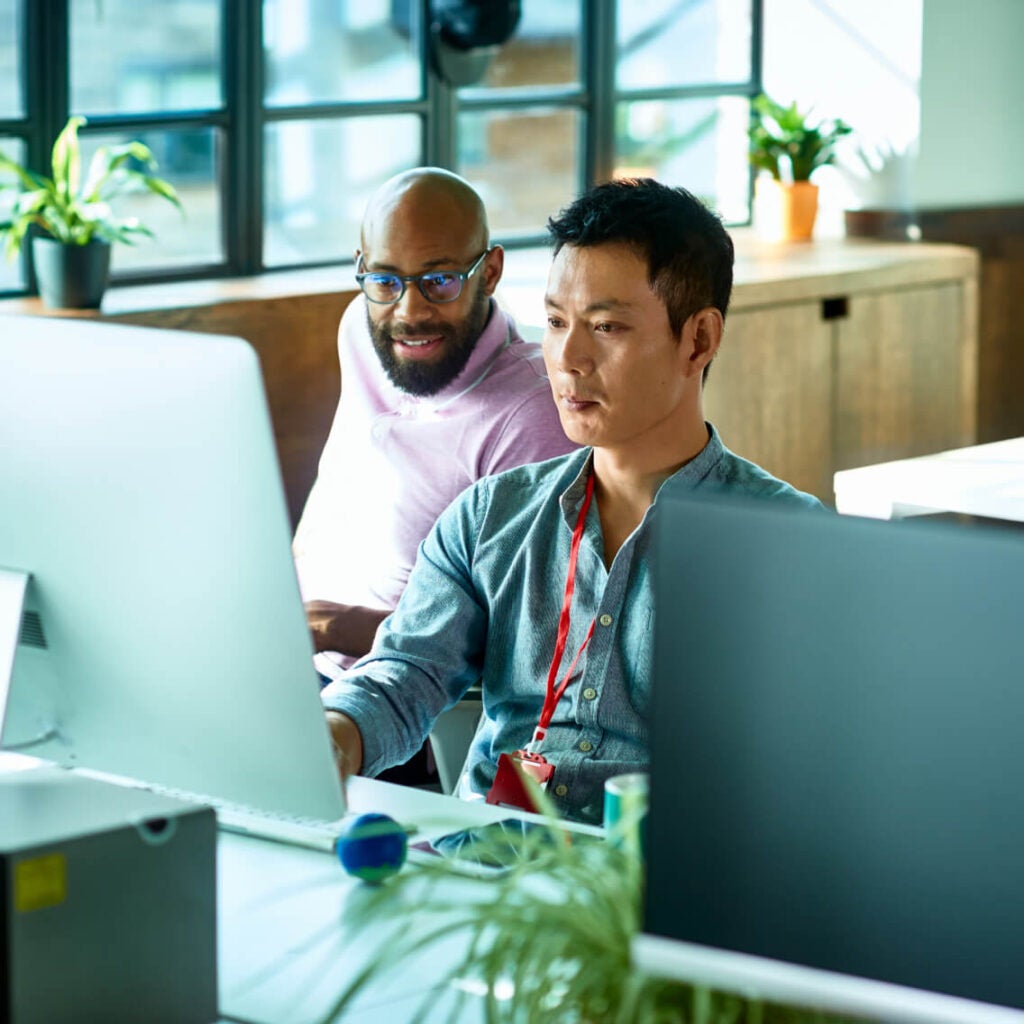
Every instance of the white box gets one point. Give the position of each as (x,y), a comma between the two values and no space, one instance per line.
(108,902)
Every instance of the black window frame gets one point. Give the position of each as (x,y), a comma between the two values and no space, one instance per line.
(241,121)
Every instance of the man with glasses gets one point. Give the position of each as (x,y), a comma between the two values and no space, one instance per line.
(438,390)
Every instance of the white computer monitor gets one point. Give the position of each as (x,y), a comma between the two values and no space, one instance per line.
(148,599)
(837,807)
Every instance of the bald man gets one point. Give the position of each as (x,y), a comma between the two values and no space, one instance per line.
(438,390)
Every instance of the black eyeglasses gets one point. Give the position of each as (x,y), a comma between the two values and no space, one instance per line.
(435,286)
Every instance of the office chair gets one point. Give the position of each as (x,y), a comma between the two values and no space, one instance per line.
(452,735)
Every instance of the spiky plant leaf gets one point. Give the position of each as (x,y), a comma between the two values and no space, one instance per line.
(66,159)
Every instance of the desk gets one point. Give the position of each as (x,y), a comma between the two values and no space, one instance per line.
(284,951)
(985,480)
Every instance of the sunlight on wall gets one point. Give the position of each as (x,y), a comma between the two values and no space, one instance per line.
(860,62)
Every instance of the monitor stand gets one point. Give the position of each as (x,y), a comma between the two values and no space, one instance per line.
(27,720)
(13,585)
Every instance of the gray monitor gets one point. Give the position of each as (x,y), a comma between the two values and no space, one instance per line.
(837,758)
(148,600)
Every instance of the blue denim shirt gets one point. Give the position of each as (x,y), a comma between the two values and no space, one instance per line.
(482,604)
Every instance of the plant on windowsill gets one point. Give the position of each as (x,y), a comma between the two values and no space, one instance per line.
(787,149)
(69,221)
(547,942)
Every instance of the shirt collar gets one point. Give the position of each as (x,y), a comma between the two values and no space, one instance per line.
(571,498)
(700,465)
(687,476)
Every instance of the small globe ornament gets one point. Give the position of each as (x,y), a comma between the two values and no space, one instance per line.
(372,847)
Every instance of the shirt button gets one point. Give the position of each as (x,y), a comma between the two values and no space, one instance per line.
(561,790)
(605,620)
(589,693)
(586,746)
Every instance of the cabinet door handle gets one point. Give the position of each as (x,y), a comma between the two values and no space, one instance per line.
(835,308)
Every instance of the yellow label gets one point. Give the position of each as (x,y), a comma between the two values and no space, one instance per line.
(40,882)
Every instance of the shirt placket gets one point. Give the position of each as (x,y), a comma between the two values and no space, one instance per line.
(601,683)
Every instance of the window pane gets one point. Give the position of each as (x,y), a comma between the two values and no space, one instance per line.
(319,176)
(11,276)
(324,51)
(699,144)
(187,159)
(155,55)
(665,43)
(523,163)
(12,103)
(544,51)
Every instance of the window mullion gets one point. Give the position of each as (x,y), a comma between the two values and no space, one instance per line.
(599,84)
(241,178)
(440,142)
(756,79)
(46,71)
(46,59)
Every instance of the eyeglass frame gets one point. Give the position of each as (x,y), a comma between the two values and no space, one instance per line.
(462,275)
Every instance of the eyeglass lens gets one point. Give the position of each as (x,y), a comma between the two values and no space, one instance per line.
(437,287)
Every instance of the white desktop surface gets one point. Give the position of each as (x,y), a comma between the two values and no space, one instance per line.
(984,480)
(285,953)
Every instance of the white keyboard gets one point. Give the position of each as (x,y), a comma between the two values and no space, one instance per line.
(314,833)
(293,829)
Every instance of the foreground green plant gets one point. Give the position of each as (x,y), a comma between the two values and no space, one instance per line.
(547,941)
(76,211)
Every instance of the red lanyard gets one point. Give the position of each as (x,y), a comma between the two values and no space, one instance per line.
(553,695)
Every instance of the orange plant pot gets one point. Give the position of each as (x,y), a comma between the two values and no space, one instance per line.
(785,213)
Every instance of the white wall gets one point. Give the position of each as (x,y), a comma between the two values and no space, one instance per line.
(972,104)
(937,86)
(860,62)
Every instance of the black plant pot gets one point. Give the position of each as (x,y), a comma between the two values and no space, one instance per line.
(71,276)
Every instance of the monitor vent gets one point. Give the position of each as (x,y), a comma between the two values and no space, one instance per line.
(32,630)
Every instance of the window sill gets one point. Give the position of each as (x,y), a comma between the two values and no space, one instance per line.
(126,299)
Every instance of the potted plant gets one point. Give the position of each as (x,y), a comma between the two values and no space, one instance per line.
(790,149)
(69,220)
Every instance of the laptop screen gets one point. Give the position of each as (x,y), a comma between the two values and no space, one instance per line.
(145,532)
(837,756)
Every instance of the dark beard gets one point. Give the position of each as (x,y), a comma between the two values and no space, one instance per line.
(418,378)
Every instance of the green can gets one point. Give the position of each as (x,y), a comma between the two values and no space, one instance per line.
(625,810)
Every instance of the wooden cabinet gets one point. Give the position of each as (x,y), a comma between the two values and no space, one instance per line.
(844,353)
(769,391)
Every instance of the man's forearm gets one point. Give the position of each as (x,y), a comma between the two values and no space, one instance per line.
(348,629)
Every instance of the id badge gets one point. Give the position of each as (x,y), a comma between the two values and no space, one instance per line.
(510,789)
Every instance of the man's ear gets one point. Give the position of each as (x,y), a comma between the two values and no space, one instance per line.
(494,265)
(703,331)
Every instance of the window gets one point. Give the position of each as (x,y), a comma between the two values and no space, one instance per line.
(276,119)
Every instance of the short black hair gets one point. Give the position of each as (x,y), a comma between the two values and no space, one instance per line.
(688,252)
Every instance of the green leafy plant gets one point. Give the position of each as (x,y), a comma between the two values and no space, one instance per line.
(76,210)
(546,942)
(786,145)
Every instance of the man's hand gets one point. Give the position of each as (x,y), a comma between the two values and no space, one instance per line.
(348,629)
(347,742)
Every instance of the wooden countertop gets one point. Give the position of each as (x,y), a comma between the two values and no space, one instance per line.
(766,273)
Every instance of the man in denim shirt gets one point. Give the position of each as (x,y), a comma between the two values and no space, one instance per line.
(636,302)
